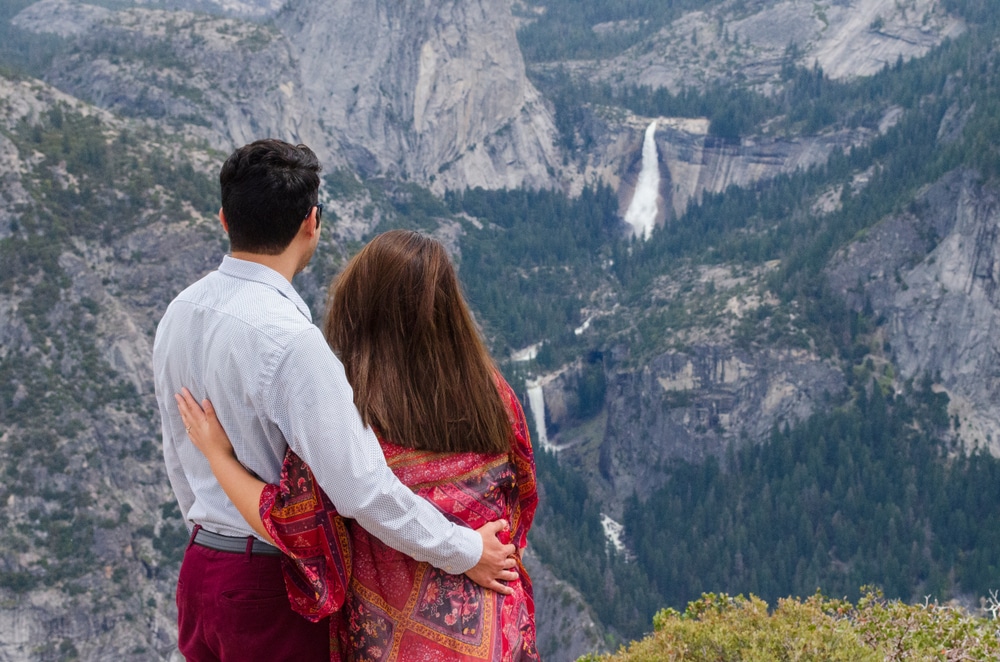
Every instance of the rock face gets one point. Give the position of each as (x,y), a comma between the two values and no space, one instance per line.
(691,161)
(434,93)
(845,37)
(688,406)
(228,81)
(61,17)
(256,9)
(933,273)
(566,629)
(91,540)
(11,170)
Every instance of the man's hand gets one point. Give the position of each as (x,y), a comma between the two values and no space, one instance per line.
(495,563)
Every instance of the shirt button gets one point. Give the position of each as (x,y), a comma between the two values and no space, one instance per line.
(449,569)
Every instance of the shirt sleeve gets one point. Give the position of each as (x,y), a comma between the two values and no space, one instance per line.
(313,405)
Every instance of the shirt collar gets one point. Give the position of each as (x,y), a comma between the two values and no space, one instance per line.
(247,270)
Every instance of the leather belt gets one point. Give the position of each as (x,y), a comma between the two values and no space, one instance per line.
(222,543)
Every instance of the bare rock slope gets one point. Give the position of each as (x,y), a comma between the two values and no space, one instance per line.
(933,273)
(750,41)
(436,93)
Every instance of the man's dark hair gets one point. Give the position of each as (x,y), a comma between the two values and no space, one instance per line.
(268,189)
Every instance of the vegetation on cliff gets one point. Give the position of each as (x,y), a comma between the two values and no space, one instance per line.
(718,627)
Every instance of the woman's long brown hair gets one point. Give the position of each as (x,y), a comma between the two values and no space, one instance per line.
(421,374)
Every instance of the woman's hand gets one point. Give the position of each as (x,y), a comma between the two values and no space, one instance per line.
(203,426)
(242,487)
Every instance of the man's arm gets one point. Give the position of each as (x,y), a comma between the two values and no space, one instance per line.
(244,490)
(313,405)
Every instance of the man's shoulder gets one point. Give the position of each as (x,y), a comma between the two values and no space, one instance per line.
(245,307)
(198,290)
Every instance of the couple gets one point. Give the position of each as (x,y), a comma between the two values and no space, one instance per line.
(418,572)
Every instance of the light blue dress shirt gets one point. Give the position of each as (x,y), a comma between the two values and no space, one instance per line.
(243,338)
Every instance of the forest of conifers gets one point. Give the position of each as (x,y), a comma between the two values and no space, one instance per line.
(867,492)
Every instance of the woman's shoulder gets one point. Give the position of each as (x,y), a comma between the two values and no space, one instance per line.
(507,393)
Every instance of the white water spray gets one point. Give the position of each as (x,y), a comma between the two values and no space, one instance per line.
(613,531)
(536,400)
(641,212)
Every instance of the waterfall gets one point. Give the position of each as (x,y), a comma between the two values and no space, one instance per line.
(536,400)
(641,212)
(613,532)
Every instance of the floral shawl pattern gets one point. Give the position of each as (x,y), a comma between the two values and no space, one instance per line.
(386,606)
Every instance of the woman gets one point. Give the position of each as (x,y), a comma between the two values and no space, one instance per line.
(451,428)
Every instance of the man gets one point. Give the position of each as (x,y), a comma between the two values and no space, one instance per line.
(243,338)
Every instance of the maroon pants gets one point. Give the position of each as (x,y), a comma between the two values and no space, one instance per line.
(233,607)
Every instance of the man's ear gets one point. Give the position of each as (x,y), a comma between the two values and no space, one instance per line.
(222,219)
(309,224)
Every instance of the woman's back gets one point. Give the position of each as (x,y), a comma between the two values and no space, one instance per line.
(396,608)
(451,429)
(447,617)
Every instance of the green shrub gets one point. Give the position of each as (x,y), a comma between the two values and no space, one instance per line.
(720,628)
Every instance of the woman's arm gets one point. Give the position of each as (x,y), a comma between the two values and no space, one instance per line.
(208,436)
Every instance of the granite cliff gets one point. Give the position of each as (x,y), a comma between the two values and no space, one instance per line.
(434,94)
(748,41)
(932,273)
(89,552)
(692,162)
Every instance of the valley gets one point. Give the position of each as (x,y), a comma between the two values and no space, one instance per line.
(783,377)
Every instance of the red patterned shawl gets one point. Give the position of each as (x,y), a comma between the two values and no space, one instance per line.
(386,606)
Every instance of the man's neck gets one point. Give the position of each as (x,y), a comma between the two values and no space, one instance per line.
(285,263)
